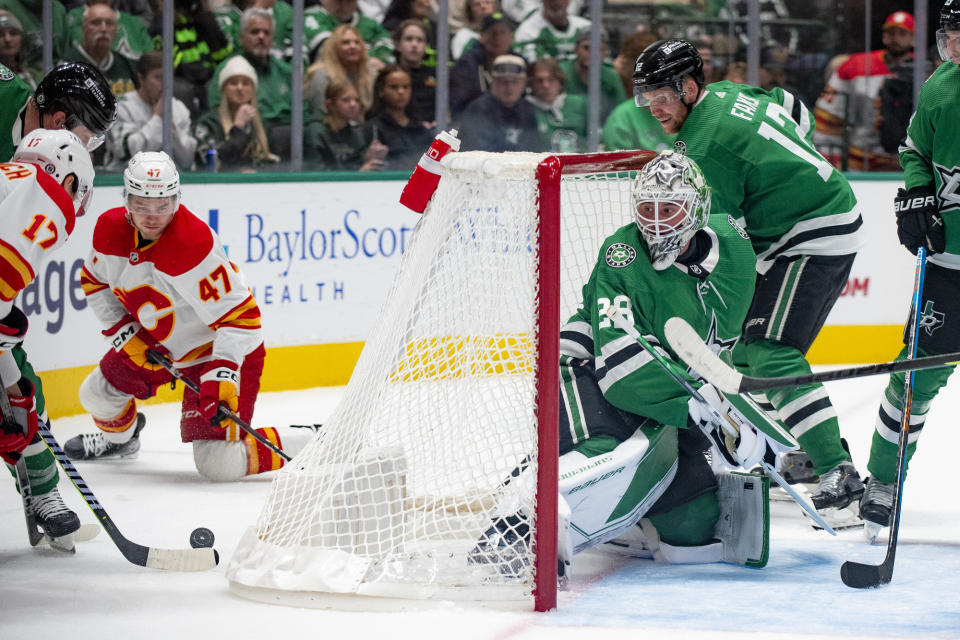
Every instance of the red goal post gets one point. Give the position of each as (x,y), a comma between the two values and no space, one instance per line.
(448,427)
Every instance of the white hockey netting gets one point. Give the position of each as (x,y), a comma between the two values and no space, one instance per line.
(436,437)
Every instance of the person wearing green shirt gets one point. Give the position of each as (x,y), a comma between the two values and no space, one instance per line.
(928,215)
(561,118)
(755,147)
(228,17)
(28,12)
(131,40)
(549,31)
(319,23)
(96,47)
(577,71)
(630,128)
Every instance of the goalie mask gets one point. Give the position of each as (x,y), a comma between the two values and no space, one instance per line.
(671,202)
(152,174)
(60,154)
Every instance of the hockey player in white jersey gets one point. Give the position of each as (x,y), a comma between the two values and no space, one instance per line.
(158,278)
(632,440)
(43,190)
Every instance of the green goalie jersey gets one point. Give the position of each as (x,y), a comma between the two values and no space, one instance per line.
(756,151)
(711,293)
(930,155)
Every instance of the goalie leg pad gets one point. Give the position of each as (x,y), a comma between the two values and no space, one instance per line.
(609,492)
(744,524)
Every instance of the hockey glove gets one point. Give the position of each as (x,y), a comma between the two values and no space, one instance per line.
(131,341)
(18,430)
(220,383)
(12,329)
(919,224)
(740,443)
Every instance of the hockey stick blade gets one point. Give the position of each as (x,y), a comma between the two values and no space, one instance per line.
(158,358)
(688,345)
(150,557)
(865,576)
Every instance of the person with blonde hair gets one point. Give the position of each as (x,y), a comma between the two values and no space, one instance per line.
(343,57)
(234,127)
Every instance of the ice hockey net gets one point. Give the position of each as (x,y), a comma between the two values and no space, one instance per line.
(436,477)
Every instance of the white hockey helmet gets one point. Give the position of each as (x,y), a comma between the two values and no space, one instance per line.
(152,174)
(671,202)
(60,154)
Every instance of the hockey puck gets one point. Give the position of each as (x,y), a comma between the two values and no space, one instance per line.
(201,538)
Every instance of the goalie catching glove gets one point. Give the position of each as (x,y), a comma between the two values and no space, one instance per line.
(18,430)
(131,342)
(740,442)
(220,382)
(919,224)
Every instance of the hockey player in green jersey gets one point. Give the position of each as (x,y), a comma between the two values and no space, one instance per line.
(755,149)
(632,443)
(928,215)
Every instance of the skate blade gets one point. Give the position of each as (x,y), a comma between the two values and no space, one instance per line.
(779,494)
(66,544)
(871,531)
(841,519)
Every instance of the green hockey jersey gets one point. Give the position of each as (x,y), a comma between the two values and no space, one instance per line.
(712,294)
(930,156)
(755,149)
(14,94)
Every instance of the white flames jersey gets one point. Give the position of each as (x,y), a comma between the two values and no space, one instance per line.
(181,288)
(36,217)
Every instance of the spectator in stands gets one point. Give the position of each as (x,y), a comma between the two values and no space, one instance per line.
(628,127)
(550,31)
(467,36)
(561,118)
(229,14)
(340,142)
(99,26)
(12,54)
(274,77)
(848,104)
(502,120)
(520,10)
(392,121)
(28,13)
(320,22)
(132,38)
(198,47)
(139,125)
(577,72)
(234,128)
(343,56)
(470,76)
(410,42)
(736,72)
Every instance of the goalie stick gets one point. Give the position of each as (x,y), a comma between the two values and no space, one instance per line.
(694,351)
(614,314)
(856,574)
(150,557)
(158,358)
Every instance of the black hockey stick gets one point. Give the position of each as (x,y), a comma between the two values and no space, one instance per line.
(222,412)
(150,557)
(34,533)
(856,574)
(688,345)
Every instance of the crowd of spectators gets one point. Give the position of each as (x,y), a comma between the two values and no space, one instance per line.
(518,77)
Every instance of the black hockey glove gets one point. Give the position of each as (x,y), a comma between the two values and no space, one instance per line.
(918,222)
(12,329)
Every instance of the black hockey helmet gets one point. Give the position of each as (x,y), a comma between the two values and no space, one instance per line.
(666,63)
(950,15)
(79,90)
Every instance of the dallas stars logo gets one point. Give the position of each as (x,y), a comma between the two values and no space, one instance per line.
(619,255)
(949,192)
(717,344)
(930,320)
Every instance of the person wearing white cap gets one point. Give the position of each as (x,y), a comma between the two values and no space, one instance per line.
(234,127)
(139,125)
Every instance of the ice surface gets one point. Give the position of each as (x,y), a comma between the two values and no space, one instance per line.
(159,499)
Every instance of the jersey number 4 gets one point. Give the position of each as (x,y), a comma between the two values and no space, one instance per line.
(801,149)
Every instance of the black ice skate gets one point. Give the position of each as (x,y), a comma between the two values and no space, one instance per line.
(877,502)
(838,487)
(56,520)
(505,544)
(94,446)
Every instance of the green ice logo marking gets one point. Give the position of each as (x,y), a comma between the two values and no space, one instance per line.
(931,320)
(620,255)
